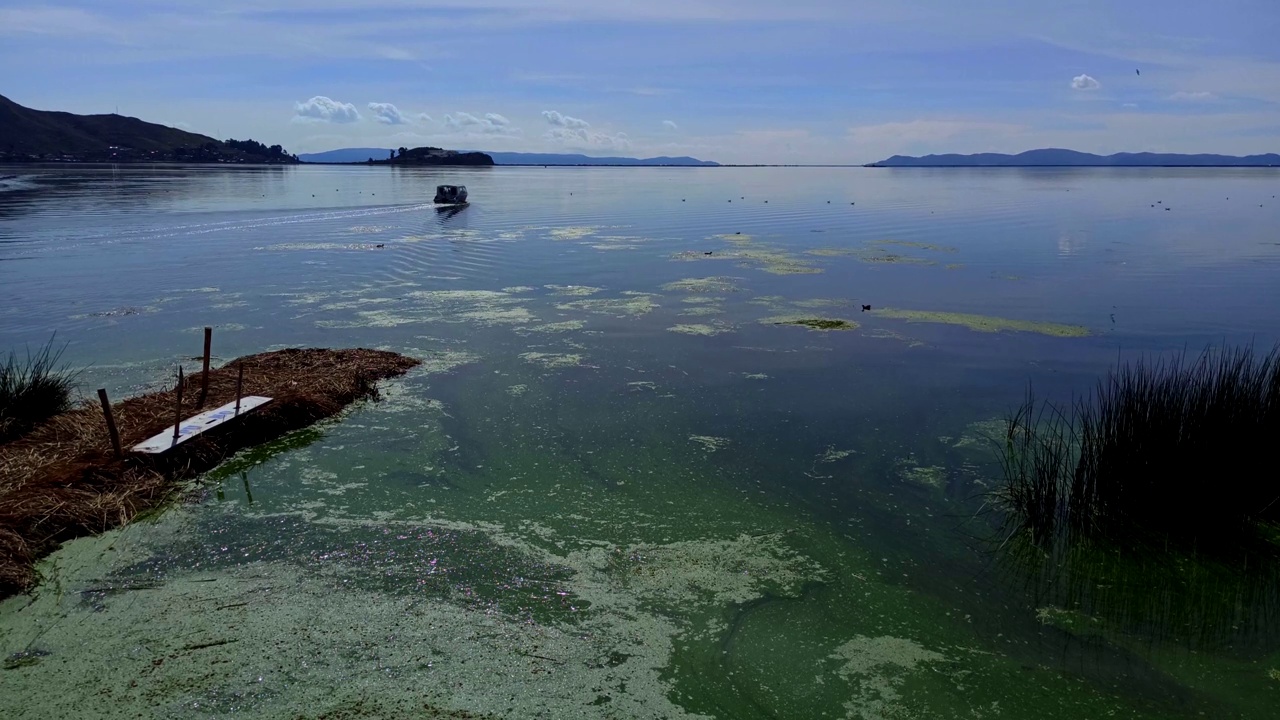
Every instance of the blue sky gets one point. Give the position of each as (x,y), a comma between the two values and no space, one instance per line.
(806,81)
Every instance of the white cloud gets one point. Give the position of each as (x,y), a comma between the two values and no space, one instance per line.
(490,124)
(1184,96)
(423,117)
(670,125)
(565,121)
(1130,105)
(387,114)
(586,139)
(1084,82)
(323,109)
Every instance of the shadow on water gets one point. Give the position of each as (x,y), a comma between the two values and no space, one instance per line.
(449,211)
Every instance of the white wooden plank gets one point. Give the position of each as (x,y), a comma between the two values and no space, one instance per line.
(197,424)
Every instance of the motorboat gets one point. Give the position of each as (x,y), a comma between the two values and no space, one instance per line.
(451,195)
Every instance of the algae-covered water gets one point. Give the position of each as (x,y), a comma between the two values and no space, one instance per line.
(658,460)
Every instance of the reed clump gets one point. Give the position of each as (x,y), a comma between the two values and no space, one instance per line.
(1182,449)
(33,390)
(62,479)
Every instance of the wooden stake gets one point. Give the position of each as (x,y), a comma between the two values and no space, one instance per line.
(177,412)
(204,377)
(111,422)
(239,384)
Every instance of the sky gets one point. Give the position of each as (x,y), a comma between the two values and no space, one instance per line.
(736,81)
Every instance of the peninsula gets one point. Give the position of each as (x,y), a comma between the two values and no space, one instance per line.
(28,135)
(1056,157)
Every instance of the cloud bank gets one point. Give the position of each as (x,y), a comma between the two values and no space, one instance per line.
(490,124)
(323,109)
(387,113)
(565,121)
(1084,82)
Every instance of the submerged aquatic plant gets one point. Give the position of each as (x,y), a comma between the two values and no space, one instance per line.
(1178,449)
(33,390)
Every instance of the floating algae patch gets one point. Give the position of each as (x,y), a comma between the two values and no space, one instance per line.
(557,327)
(819,324)
(823,303)
(983,435)
(552,361)
(877,667)
(573,290)
(702,300)
(755,376)
(712,572)
(702,310)
(517,289)
(703,286)
(1274,674)
(831,454)
(917,245)
(574,233)
(700,329)
(435,362)
(628,306)
(984,323)
(477,307)
(883,334)
(229,327)
(770,260)
(877,256)
(710,443)
(933,477)
(1071,621)
(832,252)
(517,390)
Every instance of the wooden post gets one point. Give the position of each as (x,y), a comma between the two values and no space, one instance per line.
(239,383)
(111,422)
(177,413)
(204,377)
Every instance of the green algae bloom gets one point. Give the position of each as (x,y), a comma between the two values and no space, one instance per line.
(703,286)
(984,323)
(820,324)
(917,245)
(701,329)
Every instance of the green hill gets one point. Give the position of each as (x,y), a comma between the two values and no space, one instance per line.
(27,135)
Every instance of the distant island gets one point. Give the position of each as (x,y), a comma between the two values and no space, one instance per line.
(1055,157)
(515,158)
(430,156)
(364,155)
(28,135)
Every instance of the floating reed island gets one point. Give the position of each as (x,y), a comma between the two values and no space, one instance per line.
(64,478)
(1179,452)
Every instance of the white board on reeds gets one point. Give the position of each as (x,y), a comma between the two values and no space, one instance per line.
(197,424)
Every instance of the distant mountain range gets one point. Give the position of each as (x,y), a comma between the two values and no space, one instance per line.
(28,135)
(515,158)
(1055,157)
(354,155)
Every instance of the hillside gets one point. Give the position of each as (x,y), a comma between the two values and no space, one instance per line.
(345,155)
(1056,157)
(33,135)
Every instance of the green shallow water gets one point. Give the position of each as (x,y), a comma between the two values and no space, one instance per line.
(592,502)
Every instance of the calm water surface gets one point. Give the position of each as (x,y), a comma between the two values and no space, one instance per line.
(620,485)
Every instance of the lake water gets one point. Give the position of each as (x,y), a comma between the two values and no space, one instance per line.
(622,484)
